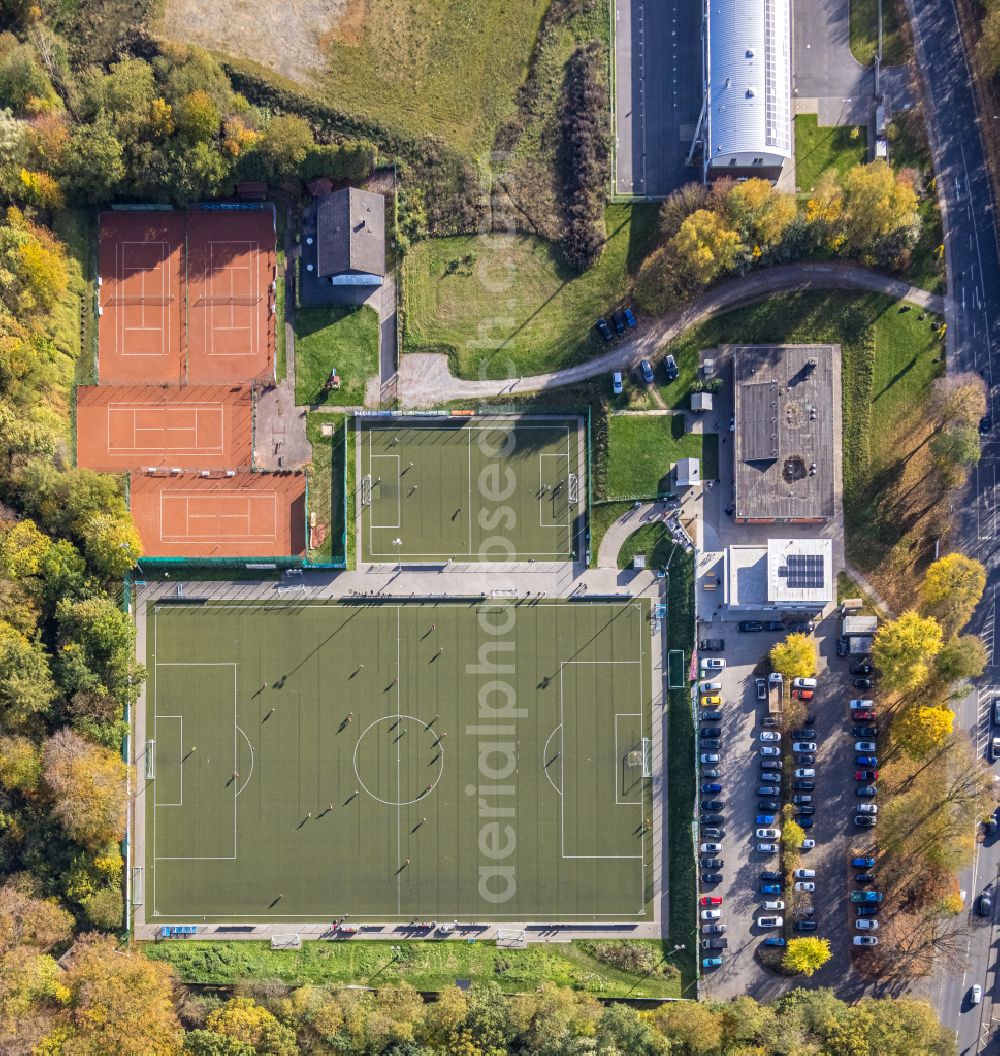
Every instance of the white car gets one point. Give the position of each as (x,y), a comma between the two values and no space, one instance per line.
(804,771)
(769,736)
(767,848)
(710,848)
(867,808)
(711,914)
(865,940)
(807,845)
(977,994)
(769,834)
(866,924)
(803,683)
(711,687)
(804,885)
(710,757)
(712,663)
(804,746)
(804,874)
(769,922)
(865,746)
(774,903)
(616,383)
(862,705)
(770,750)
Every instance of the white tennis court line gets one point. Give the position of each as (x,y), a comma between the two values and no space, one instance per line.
(211,325)
(123,271)
(156,727)
(215,537)
(125,409)
(618,756)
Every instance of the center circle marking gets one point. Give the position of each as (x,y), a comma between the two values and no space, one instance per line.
(381,743)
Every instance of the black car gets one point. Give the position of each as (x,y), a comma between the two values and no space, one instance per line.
(774,626)
(864,878)
(749,626)
(864,731)
(867,911)
(768,804)
(670,368)
(866,791)
(805,925)
(804,786)
(711,863)
(864,683)
(711,746)
(805,759)
(712,805)
(711,878)
(604,330)
(712,819)
(712,645)
(709,832)
(772,764)
(865,821)
(866,667)
(800,626)
(711,716)
(985,424)
(985,905)
(714,944)
(707,732)
(805,811)
(768,790)
(619,321)
(807,733)
(770,721)
(771,874)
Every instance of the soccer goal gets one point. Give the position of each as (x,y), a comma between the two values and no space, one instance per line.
(150,760)
(574,488)
(510,939)
(641,758)
(366,490)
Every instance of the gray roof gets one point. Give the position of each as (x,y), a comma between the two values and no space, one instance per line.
(350,233)
(785,423)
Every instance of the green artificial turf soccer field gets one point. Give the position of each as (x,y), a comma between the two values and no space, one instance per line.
(473,489)
(443,761)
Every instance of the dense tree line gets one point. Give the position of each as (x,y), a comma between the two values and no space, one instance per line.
(584,155)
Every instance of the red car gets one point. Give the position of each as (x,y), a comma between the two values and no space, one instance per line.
(802,694)
(867,714)
(865,775)
(710,900)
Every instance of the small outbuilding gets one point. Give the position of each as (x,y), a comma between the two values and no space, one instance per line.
(701,401)
(350,238)
(688,472)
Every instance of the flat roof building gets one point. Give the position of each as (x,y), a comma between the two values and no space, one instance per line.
(688,472)
(784,430)
(747,115)
(787,575)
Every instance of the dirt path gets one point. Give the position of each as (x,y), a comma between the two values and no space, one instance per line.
(425,381)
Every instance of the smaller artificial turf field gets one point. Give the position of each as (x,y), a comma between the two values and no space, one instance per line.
(455,761)
(472,488)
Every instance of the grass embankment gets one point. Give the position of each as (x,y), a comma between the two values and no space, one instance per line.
(505,307)
(818,149)
(425,965)
(328,338)
(642,448)
(864,32)
(328,499)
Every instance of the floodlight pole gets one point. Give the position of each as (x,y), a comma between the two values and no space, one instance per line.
(397,543)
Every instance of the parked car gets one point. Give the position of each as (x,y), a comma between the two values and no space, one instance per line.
(770,721)
(805,758)
(713,929)
(772,764)
(803,799)
(711,701)
(709,832)
(804,874)
(867,896)
(769,790)
(711,745)
(765,819)
(774,940)
(710,900)
(710,847)
(806,771)
(865,940)
(768,804)
(769,736)
(712,663)
(774,903)
(864,731)
(976,993)
(865,746)
(985,905)
(711,687)
(711,819)
(804,746)
(866,924)
(768,921)
(864,878)
(710,772)
(770,889)
(996,711)
(711,645)
(619,320)
(867,911)
(646,371)
(866,791)
(865,682)
(711,962)
(771,874)
(807,845)
(713,944)
(868,715)
(770,749)
(711,757)
(862,705)
(866,760)
(711,878)
(711,716)
(802,694)
(629,317)
(862,667)
(767,848)
(804,683)
(865,775)
(604,330)
(707,731)
(805,885)
(712,804)
(749,626)
(800,626)
(804,823)
(805,734)
(863,862)
(711,863)
(864,821)
(768,834)
(711,786)
(616,383)
(803,786)
(670,368)
(762,689)
(711,914)
(804,925)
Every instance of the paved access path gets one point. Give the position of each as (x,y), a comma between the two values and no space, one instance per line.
(629,522)
(425,381)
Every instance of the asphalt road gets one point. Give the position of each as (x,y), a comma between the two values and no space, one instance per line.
(657,94)
(974,273)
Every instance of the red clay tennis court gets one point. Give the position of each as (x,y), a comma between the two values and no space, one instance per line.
(123,427)
(249,515)
(141,297)
(230,295)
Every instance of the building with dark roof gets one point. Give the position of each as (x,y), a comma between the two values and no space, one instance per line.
(783,442)
(350,238)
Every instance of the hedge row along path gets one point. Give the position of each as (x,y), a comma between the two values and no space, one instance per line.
(426,381)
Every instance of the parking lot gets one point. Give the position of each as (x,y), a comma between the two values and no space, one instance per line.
(836,836)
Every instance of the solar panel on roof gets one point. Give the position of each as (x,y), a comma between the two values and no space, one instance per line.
(805,571)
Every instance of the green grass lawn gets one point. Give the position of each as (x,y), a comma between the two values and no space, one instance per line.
(864,32)
(326,492)
(818,149)
(328,338)
(642,449)
(427,966)
(446,68)
(510,306)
